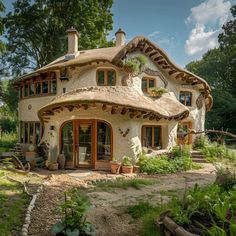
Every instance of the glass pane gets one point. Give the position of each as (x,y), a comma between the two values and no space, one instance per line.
(157,137)
(26,93)
(103,141)
(67,141)
(38,88)
(53,86)
(37,132)
(151,83)
(31,89)
(45,87)
(148,137)
(181,98)
(26,132)
(188,99)
(85,144)
(111,77)
(144,85)
(31,132)
(101,77)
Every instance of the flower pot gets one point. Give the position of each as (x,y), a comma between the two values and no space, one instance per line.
(115,167)
(53,166)
(127,169)
(136,169)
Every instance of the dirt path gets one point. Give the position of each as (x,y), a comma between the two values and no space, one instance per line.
(108,213)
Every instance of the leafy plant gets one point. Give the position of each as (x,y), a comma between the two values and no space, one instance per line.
(134,65)
(158,91)
(74,222)
(126,161)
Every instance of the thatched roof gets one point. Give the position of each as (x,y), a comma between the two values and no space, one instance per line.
(115,55)
(119,99)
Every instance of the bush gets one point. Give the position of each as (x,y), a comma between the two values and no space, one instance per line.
(180,161)
(8,140)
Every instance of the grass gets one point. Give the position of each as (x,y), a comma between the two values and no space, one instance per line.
(13,202)
(8,140)
(125,184)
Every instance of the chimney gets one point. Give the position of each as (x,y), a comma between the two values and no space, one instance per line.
(120,37)
(73,36)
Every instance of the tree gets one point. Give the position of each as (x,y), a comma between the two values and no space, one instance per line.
(35,31)
(218,67)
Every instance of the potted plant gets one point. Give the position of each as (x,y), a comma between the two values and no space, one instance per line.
(115,166)
(134,65)
(157,92)
(127,167)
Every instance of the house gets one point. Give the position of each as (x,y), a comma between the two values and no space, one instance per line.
(88,106)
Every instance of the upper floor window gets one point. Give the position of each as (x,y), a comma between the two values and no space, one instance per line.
(185,98)
(148,83)
(106,77)
(38,86)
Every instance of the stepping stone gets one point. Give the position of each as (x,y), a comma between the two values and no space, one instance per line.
(80,174)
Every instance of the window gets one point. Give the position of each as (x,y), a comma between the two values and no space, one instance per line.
(103,141)
(31,132)
(106,77)
(185,98)
(148,83)
(45,86)
(151,136)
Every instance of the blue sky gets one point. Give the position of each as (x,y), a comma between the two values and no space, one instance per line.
(185,29)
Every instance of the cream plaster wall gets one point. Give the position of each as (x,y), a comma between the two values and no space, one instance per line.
(121,145)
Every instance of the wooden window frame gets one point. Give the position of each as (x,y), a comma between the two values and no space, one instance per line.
(40,81)
(185,93)
(148,79)
(75,124)
(105,77)
(153,138)
(23,124)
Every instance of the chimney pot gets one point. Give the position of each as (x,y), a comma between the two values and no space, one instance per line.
(120,37)
(73,37)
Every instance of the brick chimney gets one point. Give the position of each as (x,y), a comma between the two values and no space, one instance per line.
(120,37)
(73,37)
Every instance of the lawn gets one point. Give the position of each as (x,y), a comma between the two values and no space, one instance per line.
(13,202)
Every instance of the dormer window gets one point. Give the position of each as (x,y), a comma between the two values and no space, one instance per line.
(148,83)
(106,77)
(185,98)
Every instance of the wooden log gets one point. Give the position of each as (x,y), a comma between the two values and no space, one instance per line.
(104,107)
(147,115)
(158,58)
(133,114)
(124,110)
(114,109)
(85,106)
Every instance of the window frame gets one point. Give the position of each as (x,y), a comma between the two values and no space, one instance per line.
(106,78)
(153,137)
(148,87)
(23,125)
(185,93)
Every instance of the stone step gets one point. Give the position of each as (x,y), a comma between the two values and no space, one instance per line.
(197,156)
(199,160)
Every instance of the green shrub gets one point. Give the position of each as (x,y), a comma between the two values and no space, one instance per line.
(74,208)
(8,140)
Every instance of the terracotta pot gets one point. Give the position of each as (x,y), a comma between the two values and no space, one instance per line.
(61,161)
(127,169)
(115,167)
(53,166)
(136,169)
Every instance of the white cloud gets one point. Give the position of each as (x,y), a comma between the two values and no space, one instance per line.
(200,41)
(210,11)
(208,18)
(153,34)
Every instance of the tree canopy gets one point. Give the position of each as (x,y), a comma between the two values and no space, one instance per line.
(35,30)
(218,67)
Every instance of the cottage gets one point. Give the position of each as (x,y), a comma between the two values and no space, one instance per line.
(91,105)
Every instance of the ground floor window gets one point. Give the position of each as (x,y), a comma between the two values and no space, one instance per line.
(30,132)
(151,136)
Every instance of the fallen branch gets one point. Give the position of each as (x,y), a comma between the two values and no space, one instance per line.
(213,131)
(171,228)
(17,162)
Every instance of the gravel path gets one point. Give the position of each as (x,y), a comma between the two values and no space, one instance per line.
(108,214)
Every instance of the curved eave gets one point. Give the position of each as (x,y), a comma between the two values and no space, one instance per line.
(116,100)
